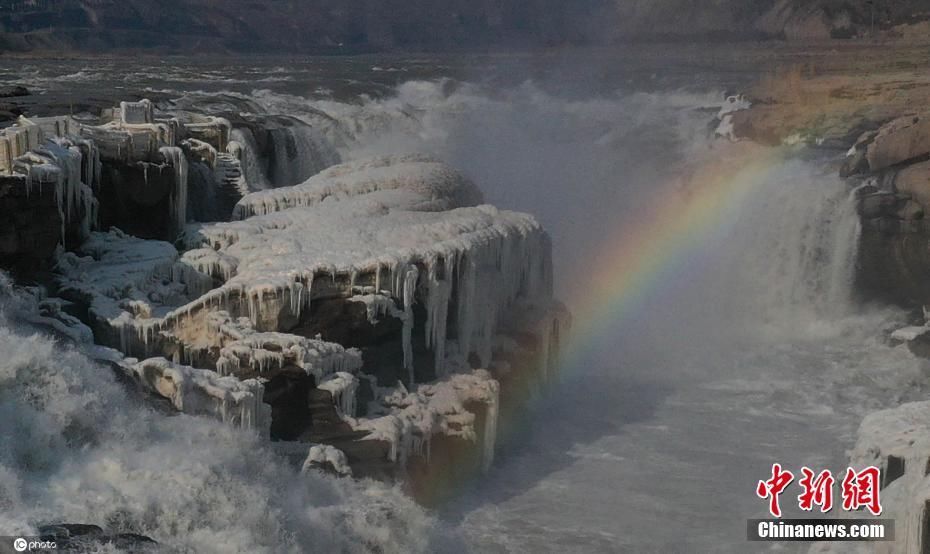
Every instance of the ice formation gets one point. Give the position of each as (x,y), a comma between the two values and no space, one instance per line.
(128,281)
(30,305)
(200,391)
(438,186)
(378,306)
(243,348)
(322,454)
(404,235)
(343,386)
(55,158)
(437,408)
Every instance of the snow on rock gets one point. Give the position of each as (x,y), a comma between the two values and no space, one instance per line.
(137,113)
(433,409)
(732,105)
(437,186)
(29,304)
(492,256)
(378,306)
(128,281)
(243,348)
(211,262)
(324,456)
(343,387)
(199,391)
(907,334)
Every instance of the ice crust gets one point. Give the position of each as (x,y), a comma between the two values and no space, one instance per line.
(201,391)
(413,418)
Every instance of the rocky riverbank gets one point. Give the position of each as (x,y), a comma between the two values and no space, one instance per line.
(875,124)
(375,318)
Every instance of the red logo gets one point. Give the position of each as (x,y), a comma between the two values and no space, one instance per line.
(817,490)
(860,489)
(772,488)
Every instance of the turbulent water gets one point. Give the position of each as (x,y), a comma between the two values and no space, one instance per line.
(751,348)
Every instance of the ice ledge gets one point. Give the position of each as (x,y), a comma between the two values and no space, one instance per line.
(437,186)
(200,391)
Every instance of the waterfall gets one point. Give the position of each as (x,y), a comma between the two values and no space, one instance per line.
(787,256)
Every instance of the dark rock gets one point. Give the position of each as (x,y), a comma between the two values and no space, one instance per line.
(13,91)
(856,164)
(911,210)
(914,180)
(893,261)
(880,204)
(66,530)
(74,537)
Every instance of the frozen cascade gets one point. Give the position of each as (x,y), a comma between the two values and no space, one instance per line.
(61,162)
(175,157)
(296,152)
(242,145)
(407,293)
(437,310)
(378,306)
(299,151)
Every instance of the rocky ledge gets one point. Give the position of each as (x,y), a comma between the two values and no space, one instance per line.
(376,319)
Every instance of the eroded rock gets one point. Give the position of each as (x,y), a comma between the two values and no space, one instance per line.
(901,140)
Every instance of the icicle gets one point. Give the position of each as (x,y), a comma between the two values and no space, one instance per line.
(490,426)
(409,295)
(437,310)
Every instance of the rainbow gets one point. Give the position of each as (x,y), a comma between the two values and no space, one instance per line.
(649,251)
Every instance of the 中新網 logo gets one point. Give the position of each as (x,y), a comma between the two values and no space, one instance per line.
(859,489)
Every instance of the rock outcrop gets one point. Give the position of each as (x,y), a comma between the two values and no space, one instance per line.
(377,313)
(897,441)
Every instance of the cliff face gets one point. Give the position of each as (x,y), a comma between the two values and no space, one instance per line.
(285,25)
(788,19)
(365,25)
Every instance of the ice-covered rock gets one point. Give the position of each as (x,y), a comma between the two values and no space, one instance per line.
(897,441)
(343,386)
(330,458)
(126,282)
(437,186)
(445,407)
(262,352)
(199,391)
